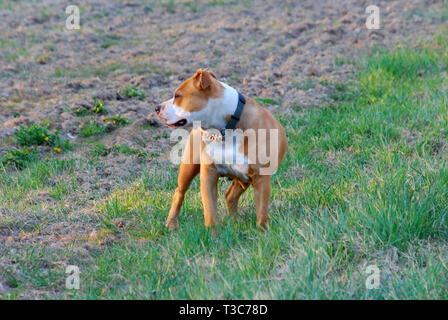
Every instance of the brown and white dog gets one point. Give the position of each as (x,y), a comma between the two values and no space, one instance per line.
(203,98)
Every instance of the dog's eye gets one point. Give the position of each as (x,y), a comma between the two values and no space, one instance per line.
(176,96)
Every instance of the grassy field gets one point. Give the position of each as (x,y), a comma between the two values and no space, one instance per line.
(364,183)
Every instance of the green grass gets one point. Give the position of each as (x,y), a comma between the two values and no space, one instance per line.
(36,135)
(133,92)
(170,6)
(99,150)
(18,158)
(362,179)
(96,108)
(27,140)
(110,40)
(266,101)
(81,112)
(92,129)
(306,85)
(363,183)
(36,175)
(117,120)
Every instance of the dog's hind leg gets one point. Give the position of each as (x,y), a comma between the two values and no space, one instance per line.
(233,195)
(187,172)
(262,193)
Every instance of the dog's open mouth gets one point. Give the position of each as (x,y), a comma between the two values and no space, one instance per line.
(179,123)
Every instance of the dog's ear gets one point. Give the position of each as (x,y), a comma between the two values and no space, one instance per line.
(211,73)
(203,79)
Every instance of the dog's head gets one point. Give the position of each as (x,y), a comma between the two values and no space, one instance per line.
(191,100)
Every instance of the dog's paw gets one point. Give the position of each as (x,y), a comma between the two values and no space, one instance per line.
(171,225)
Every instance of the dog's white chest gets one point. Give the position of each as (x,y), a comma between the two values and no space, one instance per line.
(226,155)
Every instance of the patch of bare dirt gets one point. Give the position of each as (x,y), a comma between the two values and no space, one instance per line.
(276,49)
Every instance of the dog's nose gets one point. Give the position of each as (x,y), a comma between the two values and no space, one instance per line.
(158,108)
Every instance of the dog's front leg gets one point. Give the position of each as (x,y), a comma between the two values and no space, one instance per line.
(187,172)
(209,192)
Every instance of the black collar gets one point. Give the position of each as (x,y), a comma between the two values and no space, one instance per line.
(236,116)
